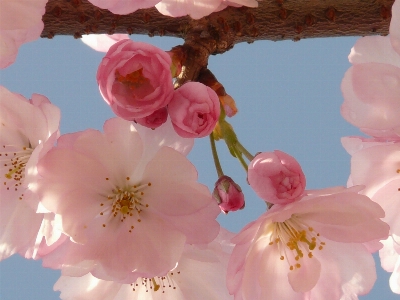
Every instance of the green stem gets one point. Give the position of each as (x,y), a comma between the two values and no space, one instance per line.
(244,151)
(240,158)
(215,156)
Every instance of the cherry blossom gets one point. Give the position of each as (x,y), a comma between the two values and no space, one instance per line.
(135,79)
(194,110)
(276,177)
(371,87)
(127,203)
(228,194)
(308,249)
(20,23)
(124,7)
(29,129)
(376,164)
(200,274)
(102,42)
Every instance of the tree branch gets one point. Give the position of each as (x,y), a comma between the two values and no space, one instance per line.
(273,20)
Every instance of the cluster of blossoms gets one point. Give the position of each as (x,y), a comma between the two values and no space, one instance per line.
(135,80)
(122,215)
(132,188)
(371,90)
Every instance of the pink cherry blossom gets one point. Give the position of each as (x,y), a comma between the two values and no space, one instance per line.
(276,177)
(376,164)
(194,110)
(199,8)
(156,119)
(20,23)
(309,249)
(228,194)
(124,7)
(200,274)
(102,42)
(135,79)
(29,129)
(128,203)
(371,87)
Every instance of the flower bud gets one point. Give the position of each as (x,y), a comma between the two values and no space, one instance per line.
(194,110)
(156,119)
(276,177)
(228,194)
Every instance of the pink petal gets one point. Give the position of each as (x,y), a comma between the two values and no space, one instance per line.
(381,160)
(306,277)
(20,22)
(102,42)
(394,280)
(347,270)
(273,270)
(123,7)
(394,28)
(196,9)
(374,49)
(388,254)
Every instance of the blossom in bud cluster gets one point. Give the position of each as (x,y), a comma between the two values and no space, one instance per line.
(228,194)
(134,192)
(29,129)
(276,177)
(135,79)
(20,23)
(194,110)
(310,249)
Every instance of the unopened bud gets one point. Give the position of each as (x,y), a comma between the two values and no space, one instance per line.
(228,194)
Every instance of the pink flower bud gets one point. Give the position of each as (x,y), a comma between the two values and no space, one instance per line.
(276,177)
(135,79)
(194,110)
(228,194)
(156,119)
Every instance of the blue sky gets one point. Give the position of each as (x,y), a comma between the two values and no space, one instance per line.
(288,96)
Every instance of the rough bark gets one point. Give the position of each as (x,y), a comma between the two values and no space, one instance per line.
(272,20)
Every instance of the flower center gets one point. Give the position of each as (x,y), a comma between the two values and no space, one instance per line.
(126,203)
(14,160)
(295,239)
(156,284)
(132,80)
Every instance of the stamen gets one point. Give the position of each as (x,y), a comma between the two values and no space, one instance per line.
(294,238)
(132,80)
(126,202)
(16,161)
(156,284)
